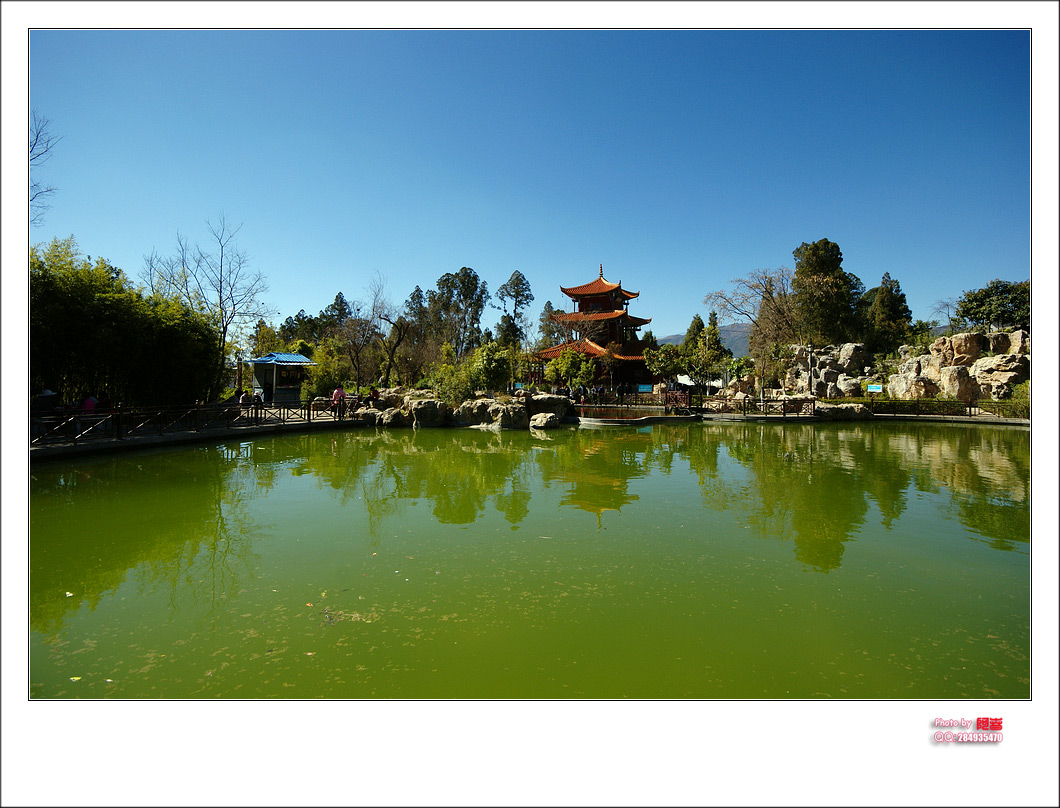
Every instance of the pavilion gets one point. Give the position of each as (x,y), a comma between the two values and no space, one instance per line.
(601,318)
(278,376)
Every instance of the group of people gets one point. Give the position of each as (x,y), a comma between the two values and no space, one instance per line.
(48,401)
(246,399)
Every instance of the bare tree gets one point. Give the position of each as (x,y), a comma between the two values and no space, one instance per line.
(217,281)
(766,300)
(399,325)
(41,144)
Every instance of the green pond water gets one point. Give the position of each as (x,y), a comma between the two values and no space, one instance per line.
(692,560)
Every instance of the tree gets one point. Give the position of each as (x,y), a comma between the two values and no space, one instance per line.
(419,349)
(491,366)
(665,361)
(708,354)
(456,308)
(695,328)
(517,291)
(946,308)
(41,144)
(216,281)
(825,294)
(508,331)
(886,316)
(551,332)
(92,331)
(300,326)
(264,339)
(356,334)
(570,368)
(997,306)
(330,320)
(766,300)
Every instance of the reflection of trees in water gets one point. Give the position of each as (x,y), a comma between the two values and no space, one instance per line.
(458,471)
(812,483)
(178,518)
(595,467)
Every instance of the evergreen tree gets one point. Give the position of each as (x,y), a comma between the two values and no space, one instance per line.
(887,318)
(825,294)
(695,329)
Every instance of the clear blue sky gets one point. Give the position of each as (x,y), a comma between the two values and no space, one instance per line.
(677,159)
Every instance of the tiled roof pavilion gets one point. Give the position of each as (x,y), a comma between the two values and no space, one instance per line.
(600,317)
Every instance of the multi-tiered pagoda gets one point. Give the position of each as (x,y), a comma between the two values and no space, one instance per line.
(601,318)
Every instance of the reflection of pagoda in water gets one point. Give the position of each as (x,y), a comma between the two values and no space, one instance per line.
(600,319)
(595,473)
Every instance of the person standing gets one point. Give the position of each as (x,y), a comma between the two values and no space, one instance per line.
(338,401)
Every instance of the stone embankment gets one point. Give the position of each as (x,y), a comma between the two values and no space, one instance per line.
(524,410)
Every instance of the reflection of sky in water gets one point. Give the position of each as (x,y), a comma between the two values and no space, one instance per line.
(693,560)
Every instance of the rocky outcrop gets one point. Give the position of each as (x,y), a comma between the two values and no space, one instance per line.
(834,371)
(966,367)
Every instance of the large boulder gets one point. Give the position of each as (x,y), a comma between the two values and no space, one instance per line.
(943,349)
(369,415)
(1015,342)
(957,382)
(905,386)
(967,348)
(474,411)
(848,387)
(545,420)
(997,374)
(428,412)
(510,415)
(853,358)
(560,406)
(392,417)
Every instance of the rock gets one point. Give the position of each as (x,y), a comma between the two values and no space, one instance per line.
(474,411)
(392,417)
(560,406)
(1016,342)
(904,386)
(842,412)
(958,383)
(428,412)
(369,415)
(1005,369)
(967,348)
(509,416)
(848,387)
(545,420)
(853,357)
(942,348)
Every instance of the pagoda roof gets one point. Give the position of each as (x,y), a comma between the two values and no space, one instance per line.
(597,316)
(587,347)
(598,286)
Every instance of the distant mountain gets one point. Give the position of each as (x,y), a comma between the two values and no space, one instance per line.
(734,337)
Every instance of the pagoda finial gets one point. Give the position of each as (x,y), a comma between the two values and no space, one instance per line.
(601,270)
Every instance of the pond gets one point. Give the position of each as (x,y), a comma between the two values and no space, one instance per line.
(708,560)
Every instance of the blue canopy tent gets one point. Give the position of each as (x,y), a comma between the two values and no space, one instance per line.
(278,377)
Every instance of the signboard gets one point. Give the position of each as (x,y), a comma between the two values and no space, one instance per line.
(643,388)
(875,388)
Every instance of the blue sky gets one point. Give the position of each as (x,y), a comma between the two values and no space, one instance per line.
(677,159)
